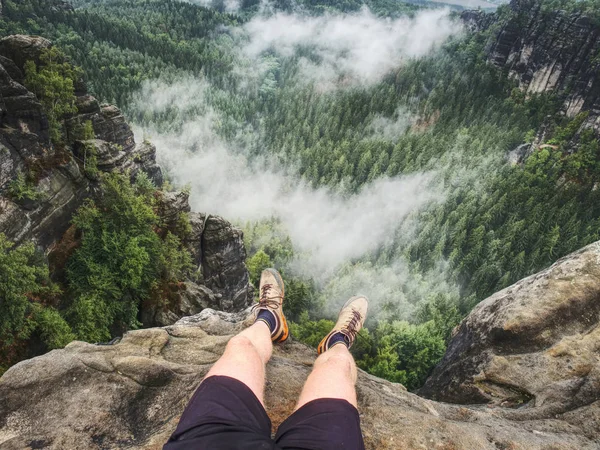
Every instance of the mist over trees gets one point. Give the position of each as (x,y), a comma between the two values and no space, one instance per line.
(446,112)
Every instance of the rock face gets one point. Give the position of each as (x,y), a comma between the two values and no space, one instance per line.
(547,51)
(20,49)
(131,395)
(223,266)
(61,185)
(551,51)
(220,279)
(533,348)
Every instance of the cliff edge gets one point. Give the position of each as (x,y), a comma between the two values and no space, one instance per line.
(530,352)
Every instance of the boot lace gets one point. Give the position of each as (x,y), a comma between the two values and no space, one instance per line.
(265,301)
(350,329)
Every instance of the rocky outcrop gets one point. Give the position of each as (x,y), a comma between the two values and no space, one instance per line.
(188,299)
(220,278)
(59,183)
(19,49)
(524,365)
(532,349)
(194,241)
(547,51)
(131,395)
(551,51)
(223,268)
(57,180)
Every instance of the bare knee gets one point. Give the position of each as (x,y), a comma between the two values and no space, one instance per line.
(337,360)
(243,347)
(241,342)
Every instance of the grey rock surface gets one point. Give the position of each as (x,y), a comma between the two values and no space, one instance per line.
(220,278)
(547,51)
(171,206)
(143,159)
(551,51)
(194,240)
(25,148)
(188,299)
(22,48)
(131,395)
(110,125)
(223,268)
(532,349)
(217,251)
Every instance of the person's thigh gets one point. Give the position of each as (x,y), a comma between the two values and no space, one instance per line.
(323,424)
(223,414)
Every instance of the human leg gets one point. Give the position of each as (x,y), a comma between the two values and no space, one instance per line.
(326,417)
(226,411)
(247,354)
(245,358)
(333,376)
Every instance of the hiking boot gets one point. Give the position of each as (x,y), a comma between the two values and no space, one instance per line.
(269,307)
(350,321)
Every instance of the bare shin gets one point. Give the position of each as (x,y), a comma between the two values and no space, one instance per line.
(333,376)
(245,358)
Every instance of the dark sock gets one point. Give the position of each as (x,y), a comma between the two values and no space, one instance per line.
(267,317)
(338,337)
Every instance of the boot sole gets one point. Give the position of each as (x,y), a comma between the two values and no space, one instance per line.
(284,325)
(354,298)
(321,346)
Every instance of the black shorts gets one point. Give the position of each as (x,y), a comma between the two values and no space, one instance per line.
(225,414)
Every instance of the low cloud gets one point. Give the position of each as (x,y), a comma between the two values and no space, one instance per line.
(358,47)
(223,5)
(326,227)
(391,129)
(337,236)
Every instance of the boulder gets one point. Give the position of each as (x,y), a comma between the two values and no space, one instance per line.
(186,299)
(532,349)
(21,48)
(131,395)
(87,104)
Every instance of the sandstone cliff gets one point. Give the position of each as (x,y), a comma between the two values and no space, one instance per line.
(25,144)
(551,52)
(546,51)
(531,352)
(61,184)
